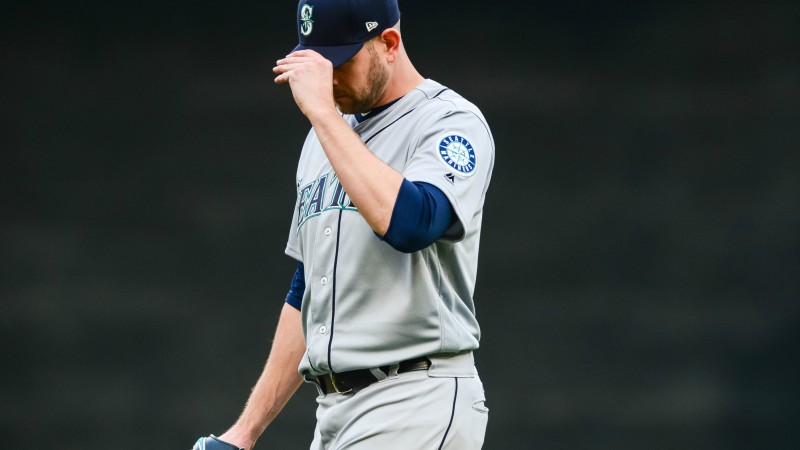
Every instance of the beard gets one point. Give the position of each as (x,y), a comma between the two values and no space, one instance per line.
(365,98)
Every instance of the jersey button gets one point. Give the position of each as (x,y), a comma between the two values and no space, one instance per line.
(324,280)
(323,329)
(327,231)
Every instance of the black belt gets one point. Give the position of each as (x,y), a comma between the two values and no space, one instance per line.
(356,380)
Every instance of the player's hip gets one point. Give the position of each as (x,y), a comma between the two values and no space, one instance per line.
(409,410)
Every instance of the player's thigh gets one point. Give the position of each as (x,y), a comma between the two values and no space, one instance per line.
(469,418)
(418,412)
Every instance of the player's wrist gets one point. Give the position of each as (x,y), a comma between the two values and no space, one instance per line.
(240,437)
(323,114)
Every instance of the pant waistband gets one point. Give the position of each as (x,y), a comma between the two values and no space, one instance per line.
(355,380)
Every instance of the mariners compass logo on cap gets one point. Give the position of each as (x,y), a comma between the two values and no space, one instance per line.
(306,24)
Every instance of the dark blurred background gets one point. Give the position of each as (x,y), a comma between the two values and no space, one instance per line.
(640,265)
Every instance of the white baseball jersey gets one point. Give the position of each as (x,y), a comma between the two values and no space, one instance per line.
(366,304)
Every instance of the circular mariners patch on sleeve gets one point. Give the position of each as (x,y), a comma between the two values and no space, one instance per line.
(457,153)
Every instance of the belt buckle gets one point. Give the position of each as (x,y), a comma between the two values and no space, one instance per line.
(336,385)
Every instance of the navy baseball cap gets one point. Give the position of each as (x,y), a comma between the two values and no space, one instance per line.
(337,29)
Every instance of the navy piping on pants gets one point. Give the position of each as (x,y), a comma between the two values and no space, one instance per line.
(452,414)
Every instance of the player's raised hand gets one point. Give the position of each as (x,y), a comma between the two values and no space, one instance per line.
(311,78)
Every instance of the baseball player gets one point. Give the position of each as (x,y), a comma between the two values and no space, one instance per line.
(391,183)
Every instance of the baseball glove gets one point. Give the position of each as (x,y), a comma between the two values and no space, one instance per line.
(213,443)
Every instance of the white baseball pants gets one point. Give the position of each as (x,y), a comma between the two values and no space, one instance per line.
(410,411)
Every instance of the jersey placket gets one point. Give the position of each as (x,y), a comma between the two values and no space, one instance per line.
(326,235)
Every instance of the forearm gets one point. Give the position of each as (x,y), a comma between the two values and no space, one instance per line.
(279,379)
(371,184)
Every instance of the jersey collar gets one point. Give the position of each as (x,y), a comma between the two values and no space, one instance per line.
(375,111)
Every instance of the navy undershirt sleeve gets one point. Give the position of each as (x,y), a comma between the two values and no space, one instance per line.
(421,215)
(298,287)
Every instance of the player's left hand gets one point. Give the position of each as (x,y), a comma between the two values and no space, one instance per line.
(310,76)
(213,443)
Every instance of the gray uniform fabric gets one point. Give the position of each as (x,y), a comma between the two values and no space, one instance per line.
(414,410)
(366,304)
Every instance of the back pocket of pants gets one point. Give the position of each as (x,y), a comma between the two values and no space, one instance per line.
(480,406)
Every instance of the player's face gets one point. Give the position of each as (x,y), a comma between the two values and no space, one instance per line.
(359,83)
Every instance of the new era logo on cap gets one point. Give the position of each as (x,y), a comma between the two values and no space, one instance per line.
(371,26)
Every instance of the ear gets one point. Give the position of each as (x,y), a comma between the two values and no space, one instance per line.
(389,43)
